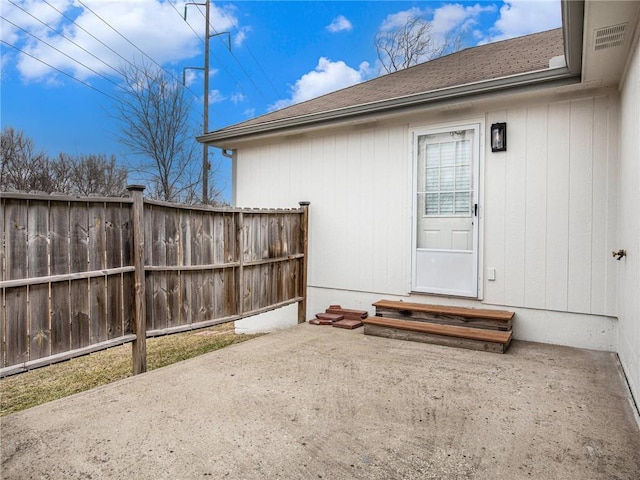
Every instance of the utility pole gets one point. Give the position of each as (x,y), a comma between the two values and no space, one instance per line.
(205,123)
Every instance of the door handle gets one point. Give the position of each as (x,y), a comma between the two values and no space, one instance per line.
(475,209)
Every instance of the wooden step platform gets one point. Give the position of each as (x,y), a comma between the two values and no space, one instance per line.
(446,315)
(449,335)
(473,328)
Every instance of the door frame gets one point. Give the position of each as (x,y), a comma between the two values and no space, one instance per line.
(477,124)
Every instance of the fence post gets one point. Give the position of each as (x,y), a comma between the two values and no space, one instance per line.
(304,224)
(139,347)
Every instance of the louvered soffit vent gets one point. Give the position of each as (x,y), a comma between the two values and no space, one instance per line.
(609,37)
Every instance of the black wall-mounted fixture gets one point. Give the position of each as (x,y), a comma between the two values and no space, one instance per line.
(499,137)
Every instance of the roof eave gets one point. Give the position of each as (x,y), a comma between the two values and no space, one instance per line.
(542,77)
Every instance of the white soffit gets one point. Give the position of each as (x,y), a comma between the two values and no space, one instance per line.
(609,29)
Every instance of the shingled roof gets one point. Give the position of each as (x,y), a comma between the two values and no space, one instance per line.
(491,61)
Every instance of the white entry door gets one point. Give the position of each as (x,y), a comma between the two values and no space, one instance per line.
(446,171)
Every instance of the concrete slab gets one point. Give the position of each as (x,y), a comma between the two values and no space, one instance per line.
(322,402)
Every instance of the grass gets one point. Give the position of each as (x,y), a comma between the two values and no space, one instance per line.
(42,385)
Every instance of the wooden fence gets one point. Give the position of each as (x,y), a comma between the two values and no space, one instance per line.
(85,274)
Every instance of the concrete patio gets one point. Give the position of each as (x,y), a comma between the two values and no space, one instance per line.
(321,402)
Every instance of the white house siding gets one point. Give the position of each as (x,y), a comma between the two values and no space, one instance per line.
(357,184)
(628,269)
(549,210)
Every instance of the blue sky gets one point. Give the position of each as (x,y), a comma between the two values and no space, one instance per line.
(282,52)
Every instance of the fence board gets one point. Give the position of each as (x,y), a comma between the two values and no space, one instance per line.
(37,239)
(80,314)
(114,306)
(39,328)
(128,302)
(126,225)
(59,221)
(96,237)
(160,310)
(79,237)
(16,240)
(16,339)
(60,318)
(97,304)
(113,236)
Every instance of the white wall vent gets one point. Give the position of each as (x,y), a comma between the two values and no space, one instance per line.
(609,37)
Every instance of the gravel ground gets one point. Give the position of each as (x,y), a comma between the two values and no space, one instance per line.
(321,402)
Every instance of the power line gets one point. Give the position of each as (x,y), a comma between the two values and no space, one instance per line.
(136,47)
(256,60)
(62,35)
(58,50)
(60,71)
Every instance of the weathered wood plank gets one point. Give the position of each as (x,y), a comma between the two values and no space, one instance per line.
(37,239)
(16,240)
(160,308)
(171,237)
(59,225)
(114,306)
(230,243)
(173,287)
(128,302)
(79,237)
(60,318)
(98,308)
(17,341)
(126,227)
(113,236)
(231,288)
(186,280)
(39,329)
(80,314)
(96,237)
(196,238)
(198,310)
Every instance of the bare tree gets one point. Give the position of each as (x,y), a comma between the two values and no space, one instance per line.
(91,174)
(412,43)
(153,112)
(22,166)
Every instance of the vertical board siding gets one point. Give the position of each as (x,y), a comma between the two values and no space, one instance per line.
(515,214)
(536,208)
(580,205)
(356,181)
(553,242)
(557,245)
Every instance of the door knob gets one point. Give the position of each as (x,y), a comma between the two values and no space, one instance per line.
(619,254)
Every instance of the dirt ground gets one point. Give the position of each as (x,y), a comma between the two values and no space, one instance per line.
(321,402)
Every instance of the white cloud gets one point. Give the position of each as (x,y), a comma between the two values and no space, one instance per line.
(237,98)
(339,24)
(327,77)
(522,17)
(215,96)
(154,26)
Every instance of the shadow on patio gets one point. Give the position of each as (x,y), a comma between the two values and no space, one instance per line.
(321,402)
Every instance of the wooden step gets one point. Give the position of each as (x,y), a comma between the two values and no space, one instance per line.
(449,335)
(446,315)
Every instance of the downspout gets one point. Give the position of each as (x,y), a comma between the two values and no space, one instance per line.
(230,154)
